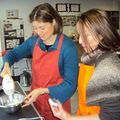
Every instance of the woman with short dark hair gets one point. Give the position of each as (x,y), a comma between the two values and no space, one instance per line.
(54,61)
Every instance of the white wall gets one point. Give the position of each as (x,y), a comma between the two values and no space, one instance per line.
(26,6)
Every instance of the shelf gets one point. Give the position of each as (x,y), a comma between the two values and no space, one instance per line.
(13,33)
(9,30)
(13,37)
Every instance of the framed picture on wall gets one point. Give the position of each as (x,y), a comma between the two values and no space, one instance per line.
(69,20)
(61,7)
(74,7)
(12,13)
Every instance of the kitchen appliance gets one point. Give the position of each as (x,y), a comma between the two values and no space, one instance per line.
(29,111)
(25,79)
(8,85)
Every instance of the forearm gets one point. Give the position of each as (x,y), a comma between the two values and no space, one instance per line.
(22,51)
(89,117)
(9,58)
(66,88)
(43,91)
(74,118)
(14,55)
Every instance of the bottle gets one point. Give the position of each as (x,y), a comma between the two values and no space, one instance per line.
(8,85)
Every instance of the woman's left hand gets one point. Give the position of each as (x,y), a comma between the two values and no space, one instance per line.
(32,96)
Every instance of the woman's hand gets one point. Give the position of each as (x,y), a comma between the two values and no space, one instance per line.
(60,113)
(6,70)
(32,96)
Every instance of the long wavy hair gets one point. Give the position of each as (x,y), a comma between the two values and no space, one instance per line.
(98,23)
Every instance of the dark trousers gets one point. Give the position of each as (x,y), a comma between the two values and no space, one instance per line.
(110,109)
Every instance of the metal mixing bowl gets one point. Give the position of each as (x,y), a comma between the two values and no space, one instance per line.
(11,105)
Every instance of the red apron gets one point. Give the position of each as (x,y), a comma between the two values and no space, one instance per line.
(45,72)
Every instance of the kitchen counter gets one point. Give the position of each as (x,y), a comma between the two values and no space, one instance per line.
(25,112)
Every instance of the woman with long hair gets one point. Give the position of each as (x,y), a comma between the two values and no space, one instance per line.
(100,42)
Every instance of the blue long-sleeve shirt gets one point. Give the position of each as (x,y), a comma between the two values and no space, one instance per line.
(68,64)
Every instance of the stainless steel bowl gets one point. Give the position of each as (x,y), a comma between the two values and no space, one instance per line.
(11,105)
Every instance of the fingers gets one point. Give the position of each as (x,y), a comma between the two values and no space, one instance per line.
(6,70)
(28,96)
(24,105)
(28,99)
(31,97)
(4,73)
(26,102)
(57,110)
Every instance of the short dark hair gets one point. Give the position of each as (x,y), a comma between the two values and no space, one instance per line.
(46,13)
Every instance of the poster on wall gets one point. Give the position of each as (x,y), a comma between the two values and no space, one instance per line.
(74,7)
(69,20)
(10,14)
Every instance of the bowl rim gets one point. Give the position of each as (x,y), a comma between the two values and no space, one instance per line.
(12,105)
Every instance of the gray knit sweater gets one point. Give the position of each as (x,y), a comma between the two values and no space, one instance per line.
(105,81)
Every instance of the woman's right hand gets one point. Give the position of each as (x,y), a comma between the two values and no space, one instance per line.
(59,112)
(6,70)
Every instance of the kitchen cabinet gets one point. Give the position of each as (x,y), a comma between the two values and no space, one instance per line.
(114,17)
(13,33)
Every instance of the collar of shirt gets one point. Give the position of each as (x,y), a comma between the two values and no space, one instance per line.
(53,47)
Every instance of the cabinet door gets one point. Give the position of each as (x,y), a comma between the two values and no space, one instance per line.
(114,17)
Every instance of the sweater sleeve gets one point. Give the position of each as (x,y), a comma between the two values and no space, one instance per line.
(22,51)
(66,89)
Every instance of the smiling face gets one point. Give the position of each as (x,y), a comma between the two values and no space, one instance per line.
(88,41)
(43,29)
